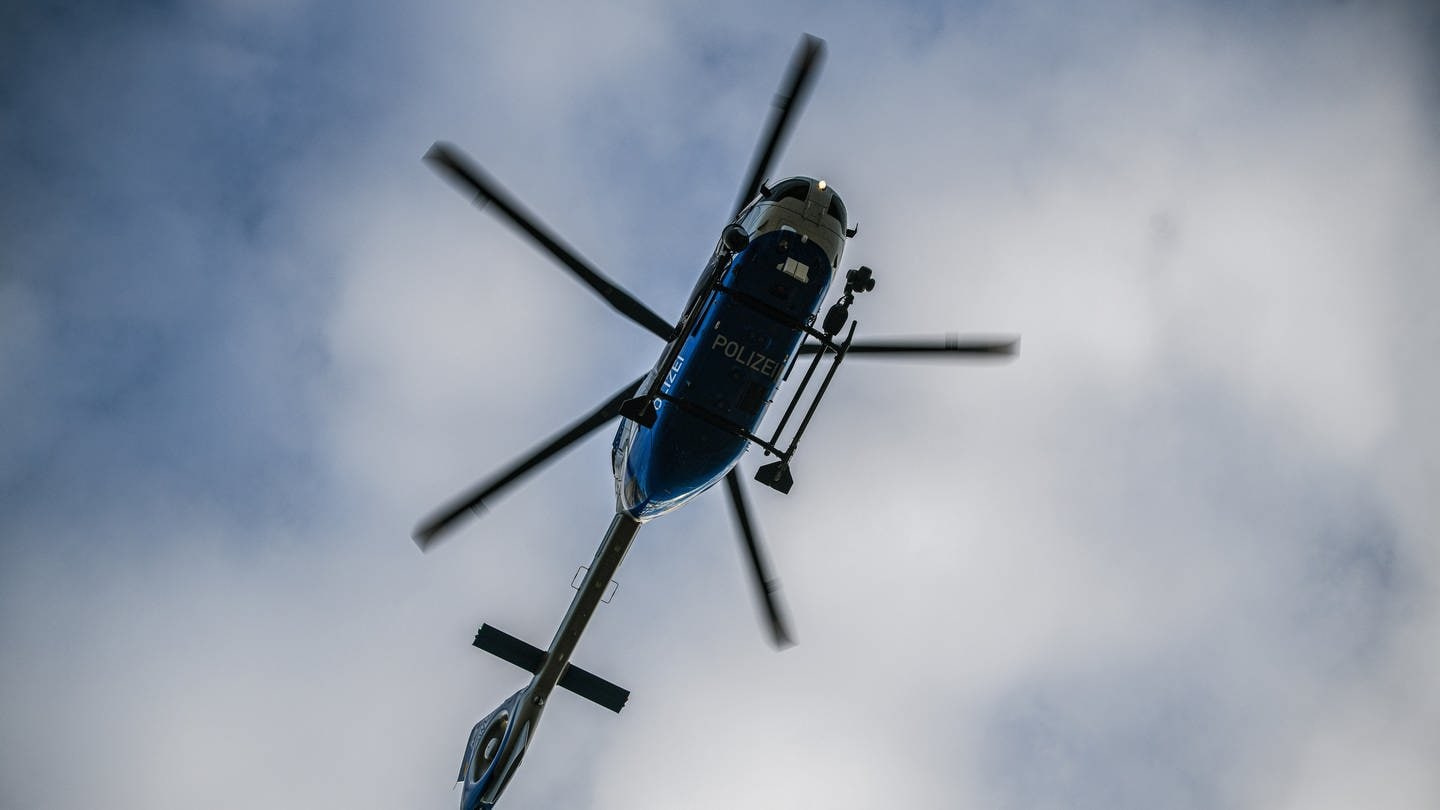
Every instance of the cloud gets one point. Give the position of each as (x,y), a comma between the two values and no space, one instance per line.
(1177,553)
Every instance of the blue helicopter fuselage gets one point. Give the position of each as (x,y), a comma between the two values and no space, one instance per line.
(740,337)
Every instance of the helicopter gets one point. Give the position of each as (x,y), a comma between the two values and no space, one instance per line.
(749,322)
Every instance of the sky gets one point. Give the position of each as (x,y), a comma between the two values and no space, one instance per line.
(1180,553)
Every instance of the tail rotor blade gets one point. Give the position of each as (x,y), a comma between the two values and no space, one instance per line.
(429,530)
(767,586)
(947,346)
(793,91)
(465,175)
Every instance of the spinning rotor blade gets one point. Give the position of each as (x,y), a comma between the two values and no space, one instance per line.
(453,163)
(767,586)
(938,347)
(793,92)
(474,500)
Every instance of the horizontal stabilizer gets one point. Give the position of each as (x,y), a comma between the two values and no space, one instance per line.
(594,688)
(506,647)
(530,658)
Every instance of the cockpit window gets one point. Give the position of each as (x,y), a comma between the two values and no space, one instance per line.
(790,190)
(837,210)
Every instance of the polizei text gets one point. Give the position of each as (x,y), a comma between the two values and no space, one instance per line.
(746,356)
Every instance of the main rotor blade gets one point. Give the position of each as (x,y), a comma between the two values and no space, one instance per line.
(474,500)
(791,98)
(469,177)
(767,586)
(938,347)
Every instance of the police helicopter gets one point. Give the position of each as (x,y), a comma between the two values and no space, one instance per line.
(749,323)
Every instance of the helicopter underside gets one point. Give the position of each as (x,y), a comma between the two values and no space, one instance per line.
(728,369)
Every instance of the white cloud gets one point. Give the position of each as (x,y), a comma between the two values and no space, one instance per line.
(1176,553)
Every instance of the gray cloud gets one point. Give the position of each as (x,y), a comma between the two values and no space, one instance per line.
(1177,554)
